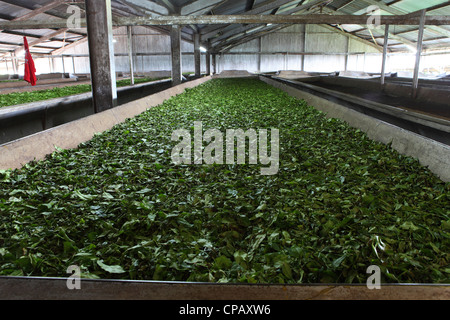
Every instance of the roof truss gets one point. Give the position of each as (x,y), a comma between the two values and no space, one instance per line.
(223,31)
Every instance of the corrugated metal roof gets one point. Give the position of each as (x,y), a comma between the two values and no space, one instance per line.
(408,33)
(434,36)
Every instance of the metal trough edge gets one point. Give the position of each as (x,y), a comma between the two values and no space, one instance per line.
(39,288)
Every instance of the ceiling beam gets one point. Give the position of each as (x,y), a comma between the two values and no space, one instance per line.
(264,7)
(237,19)
(70,45)
(33,13)
(49,6)
(125,12)
(396,11)
(271,5)
(31,7)
(352,36)
(382,28)
(42,39)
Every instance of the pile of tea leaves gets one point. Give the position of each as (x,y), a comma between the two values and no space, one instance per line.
(17,98)
(119,208)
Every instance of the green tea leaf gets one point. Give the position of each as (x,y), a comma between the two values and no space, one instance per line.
(110,269)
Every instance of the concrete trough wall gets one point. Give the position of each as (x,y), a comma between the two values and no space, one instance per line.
(17,153)
(20,121)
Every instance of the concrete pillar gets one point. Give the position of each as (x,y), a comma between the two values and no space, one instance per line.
(208,59)
(130,52)
(208,63)
(415,86)
(385,48)
(14,62)
(214,63)
(101,54)
(197,55)
(73,64)
(303,35)
(63,66)
(175,42)
(259,54)
(347,49)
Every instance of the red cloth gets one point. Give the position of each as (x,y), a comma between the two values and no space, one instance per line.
(30,69)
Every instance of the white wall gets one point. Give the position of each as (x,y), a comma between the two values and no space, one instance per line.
(273,47)
(145,41)
(317,40)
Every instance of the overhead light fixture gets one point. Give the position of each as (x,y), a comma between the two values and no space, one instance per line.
(203,49)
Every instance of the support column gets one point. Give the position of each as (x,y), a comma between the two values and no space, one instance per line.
(208,63)
(347,49)
(303,47)
(197,55)
(73,64)
(63,67)
(214,63)
(175,42)
(101,54)
(418,54)
(130,52)
(14,62)
(259,54)
(385,48)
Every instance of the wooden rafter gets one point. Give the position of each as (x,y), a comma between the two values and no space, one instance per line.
(237,19)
